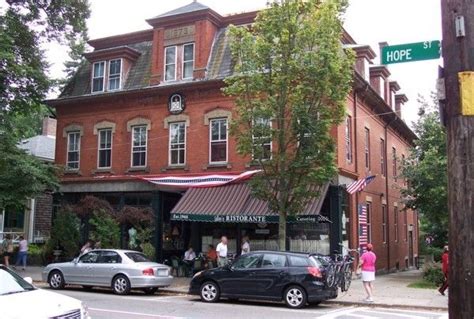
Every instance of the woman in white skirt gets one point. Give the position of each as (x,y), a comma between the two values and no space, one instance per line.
(367,265)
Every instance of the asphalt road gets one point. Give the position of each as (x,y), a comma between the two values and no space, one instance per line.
(104,304)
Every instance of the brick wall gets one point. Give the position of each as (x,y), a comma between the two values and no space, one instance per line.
(43,214)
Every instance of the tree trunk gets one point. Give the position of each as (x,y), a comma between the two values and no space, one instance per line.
(282,232)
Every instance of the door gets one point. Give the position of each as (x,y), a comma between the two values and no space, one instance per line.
(239,279)
(271,277)
(410,248)
(82,271)
(106,267)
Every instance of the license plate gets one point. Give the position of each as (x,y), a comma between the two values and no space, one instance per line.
(162,272)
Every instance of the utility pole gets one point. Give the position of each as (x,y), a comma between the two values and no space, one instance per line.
(458,55)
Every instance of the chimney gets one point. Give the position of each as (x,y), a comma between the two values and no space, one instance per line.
(378,80)
(364,56)
(400,99)
(49,127)
(394,88)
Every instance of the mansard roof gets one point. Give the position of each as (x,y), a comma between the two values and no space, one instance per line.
(192,7)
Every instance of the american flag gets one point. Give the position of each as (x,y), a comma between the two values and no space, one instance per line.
(363,236)
(359,184)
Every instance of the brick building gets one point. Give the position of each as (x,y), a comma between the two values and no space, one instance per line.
(148,104)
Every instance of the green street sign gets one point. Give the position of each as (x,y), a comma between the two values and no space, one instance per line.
(410,52)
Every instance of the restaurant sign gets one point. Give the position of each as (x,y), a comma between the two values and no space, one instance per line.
(246,218)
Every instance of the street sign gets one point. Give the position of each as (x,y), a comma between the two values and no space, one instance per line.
(410,52)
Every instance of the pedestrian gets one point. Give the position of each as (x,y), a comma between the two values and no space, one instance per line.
(87,247)
(222,252)
(211,256)
(7,250)
(245,245)
(367,265)
(22,253)
(188,260)
(445,268)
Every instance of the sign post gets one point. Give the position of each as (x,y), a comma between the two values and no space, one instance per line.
(410,52)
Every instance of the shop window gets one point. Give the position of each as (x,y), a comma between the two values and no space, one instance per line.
(105,148)
(177,147)
(115,74)
(262,140)
(218,140)
(73,150)
(139,145)
(98,76)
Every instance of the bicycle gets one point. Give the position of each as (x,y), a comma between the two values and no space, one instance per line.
(339,271)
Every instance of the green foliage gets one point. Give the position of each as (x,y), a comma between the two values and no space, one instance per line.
(290,71)
(149,250)
(22,175)
(433,274)
(422,284)
(426,172)
(65,233)
(106,229)
(145,237)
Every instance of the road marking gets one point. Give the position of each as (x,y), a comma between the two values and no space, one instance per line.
(345,311)
(134,313)
(411,316)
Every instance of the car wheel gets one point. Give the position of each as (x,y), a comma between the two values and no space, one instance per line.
(347,281)
(121,285)
(56,280)
(210,292)
(295,297)
(150,290)
(331,276)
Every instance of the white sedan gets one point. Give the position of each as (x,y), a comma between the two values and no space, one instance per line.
(19,299)
(118,269)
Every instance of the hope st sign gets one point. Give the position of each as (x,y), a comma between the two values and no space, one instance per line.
(410,52)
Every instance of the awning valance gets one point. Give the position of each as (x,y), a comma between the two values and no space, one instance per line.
(234,203)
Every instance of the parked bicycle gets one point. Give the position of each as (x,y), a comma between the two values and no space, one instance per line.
(340,269)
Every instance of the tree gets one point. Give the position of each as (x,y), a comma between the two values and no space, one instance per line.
(25,26)
(291,80)
(425,170)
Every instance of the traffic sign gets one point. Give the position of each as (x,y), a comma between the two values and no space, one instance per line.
(410,52)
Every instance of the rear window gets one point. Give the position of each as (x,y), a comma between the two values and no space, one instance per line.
(137,257)
(297,261)
(318,261)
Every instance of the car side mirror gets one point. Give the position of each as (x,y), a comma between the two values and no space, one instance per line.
(28,280)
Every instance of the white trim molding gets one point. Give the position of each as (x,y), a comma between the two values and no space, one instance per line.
(217,113)
(73,128)
(176,118)
(138,121)
(103,125)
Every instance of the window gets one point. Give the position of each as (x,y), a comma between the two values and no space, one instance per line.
(262,141)
(369,224)
(405,182)
(405,221)
(348,139)
(90,257)
(109,257)
(273,261)
(73,149)
(177,148)
(384,223)
(247,261)
(367,148)
(139,146)
(395,222)
(394,163)
(98,76)
(105,148)
(188,60)
(115,74)
(296,261)
(170,63)
(218,152)
(382,156)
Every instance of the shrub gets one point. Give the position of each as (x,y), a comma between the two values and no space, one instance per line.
(149,250)
(105,229)
(64,234)
(433,273)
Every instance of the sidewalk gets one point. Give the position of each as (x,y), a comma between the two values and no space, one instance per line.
(390,290)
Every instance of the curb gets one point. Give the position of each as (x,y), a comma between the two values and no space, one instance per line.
(382,305)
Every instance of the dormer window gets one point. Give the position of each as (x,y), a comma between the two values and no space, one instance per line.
(98,76)
(179,62)
(115,74)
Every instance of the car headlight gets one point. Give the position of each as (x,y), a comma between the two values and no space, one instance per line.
(198,274)
(84,311)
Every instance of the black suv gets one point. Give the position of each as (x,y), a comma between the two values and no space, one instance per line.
(296,278)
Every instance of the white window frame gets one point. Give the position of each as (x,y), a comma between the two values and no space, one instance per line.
(94,77)
(219,140)
(120,75)
(145,127)
(187,61)
(367,148)
(99,132)
(175,63)
(254,139)
(382,157)
(78,143)
(178,149)
(394,163)
(348,138)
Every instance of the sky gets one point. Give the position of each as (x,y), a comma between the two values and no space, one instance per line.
(367,21)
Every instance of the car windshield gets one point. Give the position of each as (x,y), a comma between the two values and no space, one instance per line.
(137,257)
(11,283)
